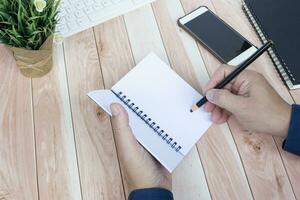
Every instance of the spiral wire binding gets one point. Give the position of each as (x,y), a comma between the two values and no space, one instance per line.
(283,70)
(153,125)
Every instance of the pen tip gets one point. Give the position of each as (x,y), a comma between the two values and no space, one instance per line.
(194,107)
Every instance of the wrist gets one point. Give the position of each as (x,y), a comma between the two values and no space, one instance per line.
(161,182)
(132,188)
(151,193)
(286,121)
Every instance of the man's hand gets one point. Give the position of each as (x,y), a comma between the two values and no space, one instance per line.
(139,168)
(251,100)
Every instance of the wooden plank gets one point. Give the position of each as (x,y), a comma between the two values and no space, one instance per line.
(222,164)
(292,166)
(56,154)
(98,164)
(264,66)
(174,46)
(265,170)
(145,37)
(114,50)
(18,178)
(264,178)
(223,156)
(115,55)
(291,161)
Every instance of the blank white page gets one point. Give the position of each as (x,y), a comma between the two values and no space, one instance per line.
(143,133)
(167,99)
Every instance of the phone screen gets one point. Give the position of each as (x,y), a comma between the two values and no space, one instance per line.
(217,36)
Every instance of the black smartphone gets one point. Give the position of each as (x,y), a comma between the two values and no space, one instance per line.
(219,38)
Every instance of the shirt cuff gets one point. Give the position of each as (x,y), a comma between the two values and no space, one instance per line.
(151,194)
(292,141)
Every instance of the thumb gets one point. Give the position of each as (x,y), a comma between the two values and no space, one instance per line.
(122,131)
(225,99)
(120,120)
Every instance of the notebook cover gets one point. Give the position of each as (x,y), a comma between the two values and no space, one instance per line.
(279,21)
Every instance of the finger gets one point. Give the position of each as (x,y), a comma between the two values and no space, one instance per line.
(123,135)
(134,159)
(228,87)
(216,114)
(226,100)
(120,119)
(218,76)
(209,107)
(224,117)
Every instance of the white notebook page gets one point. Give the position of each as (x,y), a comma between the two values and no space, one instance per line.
(166,98)
(142,132)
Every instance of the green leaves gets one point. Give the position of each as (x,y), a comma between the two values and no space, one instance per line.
(21,25)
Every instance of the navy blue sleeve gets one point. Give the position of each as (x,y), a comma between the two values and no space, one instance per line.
(292,141)
(151,194)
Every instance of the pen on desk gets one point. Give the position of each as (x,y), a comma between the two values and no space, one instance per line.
(235,73)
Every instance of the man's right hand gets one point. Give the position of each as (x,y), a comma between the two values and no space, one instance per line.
(250,99)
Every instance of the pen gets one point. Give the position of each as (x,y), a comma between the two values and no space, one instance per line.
(235,73)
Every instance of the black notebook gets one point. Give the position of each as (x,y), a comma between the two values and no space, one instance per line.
(279,20)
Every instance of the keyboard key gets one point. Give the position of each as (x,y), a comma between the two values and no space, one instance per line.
(62,20)
(79,5)
(79,14)
(70,9)
(89,2)
(106,3)
(88,10)
(64,3)
(83,21)
(73,25)
(98,6)
(62,12)
(94,16)
(62,29)
(70,17)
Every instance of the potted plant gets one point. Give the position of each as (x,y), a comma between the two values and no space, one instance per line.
(27,28)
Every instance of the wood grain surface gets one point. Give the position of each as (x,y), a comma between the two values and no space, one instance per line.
(55,143)
(18,175)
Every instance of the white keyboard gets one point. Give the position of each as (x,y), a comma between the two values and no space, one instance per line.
(78,15)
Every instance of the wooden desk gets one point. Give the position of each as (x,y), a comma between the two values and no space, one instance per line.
(54,145)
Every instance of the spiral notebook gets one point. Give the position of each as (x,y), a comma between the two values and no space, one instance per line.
(279,21)
(158,103)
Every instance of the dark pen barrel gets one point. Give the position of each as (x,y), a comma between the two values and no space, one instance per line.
(238,70)
(201,102)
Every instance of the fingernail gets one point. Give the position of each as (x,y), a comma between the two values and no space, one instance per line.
(210,95)
(115,110)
